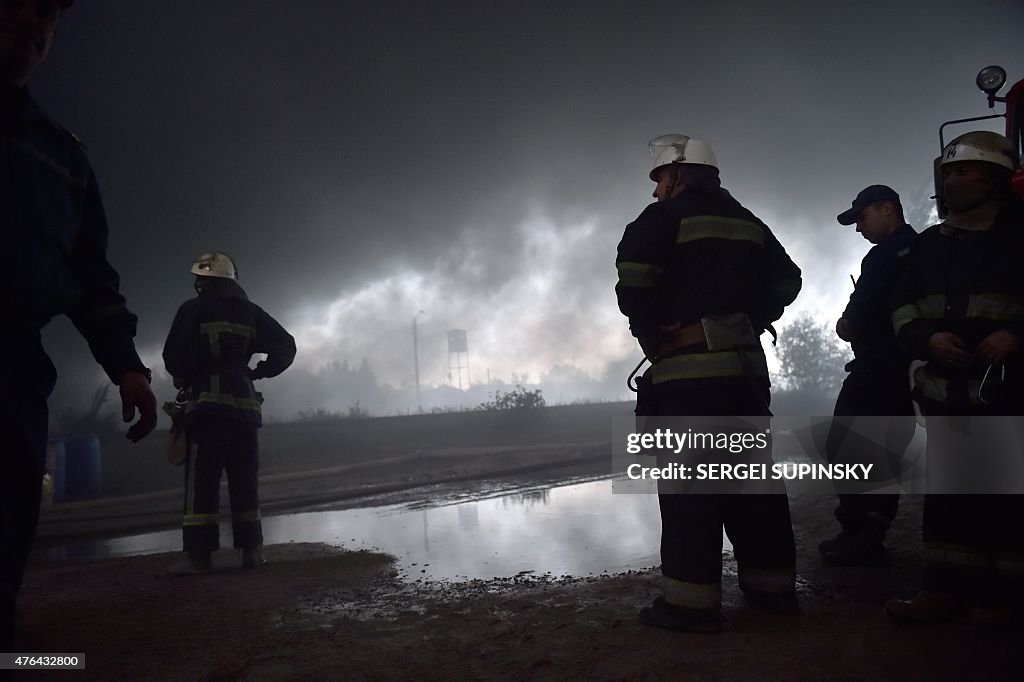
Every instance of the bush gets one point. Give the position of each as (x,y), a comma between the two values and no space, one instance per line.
(322,415)
(518,398)
(356,412)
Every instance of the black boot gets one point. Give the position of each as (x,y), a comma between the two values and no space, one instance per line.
(777,602)
(860,548)
(832,545)
(195,562)
(661,614)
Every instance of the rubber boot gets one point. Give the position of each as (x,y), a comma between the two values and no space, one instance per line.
(777,602)
(661,614)
(861,546)
(253,557)
(196,562)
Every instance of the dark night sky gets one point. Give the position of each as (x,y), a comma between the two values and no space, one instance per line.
(363,161)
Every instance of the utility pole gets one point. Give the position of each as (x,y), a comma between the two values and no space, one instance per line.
(416,361)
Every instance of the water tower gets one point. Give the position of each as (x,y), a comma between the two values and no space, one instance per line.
(458,359)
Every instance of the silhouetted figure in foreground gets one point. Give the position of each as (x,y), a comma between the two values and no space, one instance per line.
(55,242)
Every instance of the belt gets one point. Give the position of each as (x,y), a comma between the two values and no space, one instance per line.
(714,332)
(688,335)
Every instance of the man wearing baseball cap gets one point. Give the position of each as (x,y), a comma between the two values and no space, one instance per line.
(54,237)
(878,383)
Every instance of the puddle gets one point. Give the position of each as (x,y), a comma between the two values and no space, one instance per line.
(575,529)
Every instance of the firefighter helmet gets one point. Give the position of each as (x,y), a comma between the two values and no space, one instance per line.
(214,264)
(980,145)
(675,148)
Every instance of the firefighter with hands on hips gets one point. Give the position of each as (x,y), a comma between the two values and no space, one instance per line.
(695,261)
(207,352)
(55,244)
(878,384)
(960,306)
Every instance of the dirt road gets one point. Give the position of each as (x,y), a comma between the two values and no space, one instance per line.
(323,613)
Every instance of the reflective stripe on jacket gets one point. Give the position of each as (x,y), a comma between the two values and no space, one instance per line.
(208,349)
(696,255)
(970,284)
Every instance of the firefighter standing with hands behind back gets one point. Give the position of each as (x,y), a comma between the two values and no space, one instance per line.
(692,261)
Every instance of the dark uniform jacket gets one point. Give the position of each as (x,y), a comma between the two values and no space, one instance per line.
(698,254)
(54,237)
(971,284)
(874,345)
(209,346)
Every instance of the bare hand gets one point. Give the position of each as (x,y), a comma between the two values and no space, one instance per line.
(997,346)
(136,393)
(844,330)
(949,349)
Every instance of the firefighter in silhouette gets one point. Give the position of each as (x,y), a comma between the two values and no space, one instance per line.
(878,385)
(700,277)
(207,352)
(55,253)
(960,307)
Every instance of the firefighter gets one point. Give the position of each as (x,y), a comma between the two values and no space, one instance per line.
(55,242)
(697,259)
(207,352)
(960,306)
(878,383)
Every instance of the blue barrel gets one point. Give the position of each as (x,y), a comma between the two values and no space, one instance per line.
(77,468)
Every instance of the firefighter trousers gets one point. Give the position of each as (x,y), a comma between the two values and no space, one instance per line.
(872,396)
(758,525)
(216,445)
(974,547)
(973,535)
(23,420)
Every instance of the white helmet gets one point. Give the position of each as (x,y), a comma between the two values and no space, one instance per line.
(980,145)
(675,148)
(214,264)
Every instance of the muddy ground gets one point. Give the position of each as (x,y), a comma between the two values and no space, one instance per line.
(317,612)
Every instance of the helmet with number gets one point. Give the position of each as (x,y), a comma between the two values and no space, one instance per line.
(675,148)
(214,264)
(980,145)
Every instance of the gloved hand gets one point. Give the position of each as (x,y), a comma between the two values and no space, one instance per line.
(844,329)
(136,394)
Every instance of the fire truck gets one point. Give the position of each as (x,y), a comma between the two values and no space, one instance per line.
(991,80)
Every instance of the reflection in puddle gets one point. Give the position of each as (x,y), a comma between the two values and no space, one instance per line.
(574,529)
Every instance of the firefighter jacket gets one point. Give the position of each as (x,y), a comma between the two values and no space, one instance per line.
(209,346)
(702,254)
(971,284)
(55,242)
(874,346)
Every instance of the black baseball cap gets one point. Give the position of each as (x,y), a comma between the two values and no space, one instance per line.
(867,196)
